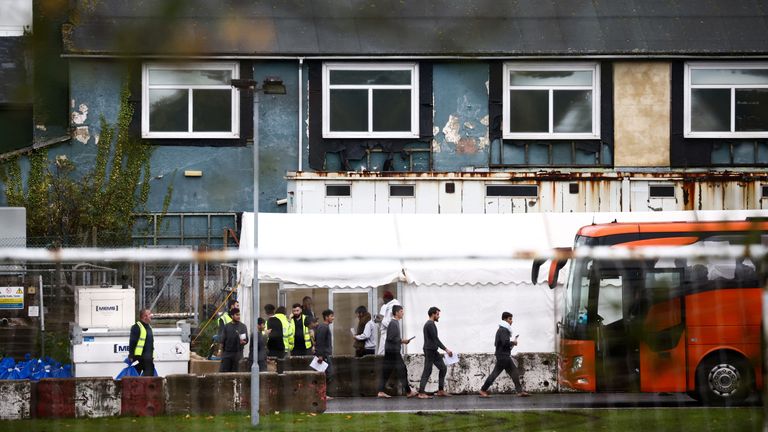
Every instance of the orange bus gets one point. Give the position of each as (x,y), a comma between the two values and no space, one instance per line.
(663,325)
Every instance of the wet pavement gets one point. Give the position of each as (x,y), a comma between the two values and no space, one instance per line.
(544,401)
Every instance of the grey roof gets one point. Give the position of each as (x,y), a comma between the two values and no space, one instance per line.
(14,79)
(420,27)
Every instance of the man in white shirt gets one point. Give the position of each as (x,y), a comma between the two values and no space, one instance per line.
(385,315)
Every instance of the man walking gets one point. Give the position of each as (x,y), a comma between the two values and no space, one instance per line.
(393,361)
(385,317)
(365,341)
(302,341)
(431,356)
(324,347)
(504,361)
(233,338)
(141,344)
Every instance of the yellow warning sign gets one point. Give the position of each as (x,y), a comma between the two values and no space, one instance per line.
(11,298)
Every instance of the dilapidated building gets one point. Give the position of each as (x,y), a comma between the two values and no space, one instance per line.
(427,107)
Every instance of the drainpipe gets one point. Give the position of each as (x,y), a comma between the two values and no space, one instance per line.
(301,112)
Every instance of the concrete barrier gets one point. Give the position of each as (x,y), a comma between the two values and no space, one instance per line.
(54,398)
(230,392)
(142,396)
(360,376)
(302,392)
(97,397)
(538,373)
(15,399)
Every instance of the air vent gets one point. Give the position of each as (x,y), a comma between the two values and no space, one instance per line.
(337,190)
(401,190)
(765,191)
(523,191)
(662,191)
(573,188)
(450,188)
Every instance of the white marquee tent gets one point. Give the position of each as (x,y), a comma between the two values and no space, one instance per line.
(470,289)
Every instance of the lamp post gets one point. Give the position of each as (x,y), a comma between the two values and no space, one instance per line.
(271,85)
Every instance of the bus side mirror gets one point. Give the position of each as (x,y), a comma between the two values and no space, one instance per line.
(535,270)
(554,272)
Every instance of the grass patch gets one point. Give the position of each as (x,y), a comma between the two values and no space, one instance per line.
(655,420)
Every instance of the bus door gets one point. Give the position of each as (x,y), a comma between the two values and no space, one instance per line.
(616,355)
(658,323)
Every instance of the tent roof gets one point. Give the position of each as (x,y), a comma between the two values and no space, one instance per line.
(460,243)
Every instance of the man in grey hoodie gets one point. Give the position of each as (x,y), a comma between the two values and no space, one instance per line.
(393,361)
(504,344)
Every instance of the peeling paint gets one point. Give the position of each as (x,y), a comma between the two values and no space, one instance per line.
(483,142)
(82,134)
(435,146)
(485,120)
(435,130)
(466,145)
(81,115)
(469,125)
(451,130)
(15,400)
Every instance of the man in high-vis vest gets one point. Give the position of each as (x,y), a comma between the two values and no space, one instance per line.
(302,341)
(141,345)
(281,329)
(226,317)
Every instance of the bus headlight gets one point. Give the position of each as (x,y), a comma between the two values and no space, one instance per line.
(578,361)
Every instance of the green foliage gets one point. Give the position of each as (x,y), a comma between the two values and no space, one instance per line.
(95,207)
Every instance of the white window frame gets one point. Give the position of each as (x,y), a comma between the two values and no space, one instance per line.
(235,106)
(688,133)
(414,88)
(595,87)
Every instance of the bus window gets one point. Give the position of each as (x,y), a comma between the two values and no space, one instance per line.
(609,303)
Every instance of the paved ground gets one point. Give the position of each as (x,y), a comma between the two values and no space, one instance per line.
(511,403)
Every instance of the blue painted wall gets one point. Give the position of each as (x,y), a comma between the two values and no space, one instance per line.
(226,184)
(460,127)
(461,116)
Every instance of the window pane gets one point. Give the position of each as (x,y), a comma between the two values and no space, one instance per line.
(349,110)
(710,110)
(370,77)
(572,110)
(168,111)
(751,110)
(212,110)
(550,78)
(729,76)
(529,111)
(391,110)
(189,77)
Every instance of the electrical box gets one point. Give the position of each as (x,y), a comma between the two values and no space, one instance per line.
(105,307)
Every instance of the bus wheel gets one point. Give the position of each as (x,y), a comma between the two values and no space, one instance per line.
(723,380)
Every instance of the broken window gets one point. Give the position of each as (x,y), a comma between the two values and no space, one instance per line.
(726,100)
(190,100)
(364,100)
(551,100)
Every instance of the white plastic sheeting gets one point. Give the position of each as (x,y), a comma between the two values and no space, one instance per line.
(471,289)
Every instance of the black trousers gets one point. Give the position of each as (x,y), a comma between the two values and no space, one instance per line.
(146,366)
(230,361)
(364,352)
(432,358)
(393,361)
(504,363)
